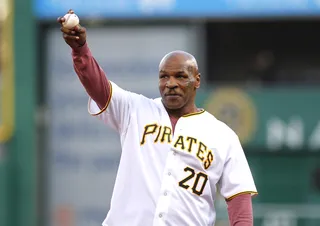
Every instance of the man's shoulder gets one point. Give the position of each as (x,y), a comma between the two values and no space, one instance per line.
(133,94)
(219,126)
(154,103)
(146,103)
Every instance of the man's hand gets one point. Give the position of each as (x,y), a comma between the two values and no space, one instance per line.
(75,37)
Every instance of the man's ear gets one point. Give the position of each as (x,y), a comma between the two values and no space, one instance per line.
(197,84)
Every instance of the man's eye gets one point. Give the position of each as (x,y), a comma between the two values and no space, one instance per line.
(163,76)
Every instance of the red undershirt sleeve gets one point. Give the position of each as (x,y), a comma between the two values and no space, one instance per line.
(91,75)
(240,210)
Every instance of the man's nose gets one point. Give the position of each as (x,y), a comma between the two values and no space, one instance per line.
(171,83)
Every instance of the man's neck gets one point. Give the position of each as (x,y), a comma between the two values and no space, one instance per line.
(177,113)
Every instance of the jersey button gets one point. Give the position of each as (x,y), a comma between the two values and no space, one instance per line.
(160,215)
(165,193)
(169,173)
(174,152)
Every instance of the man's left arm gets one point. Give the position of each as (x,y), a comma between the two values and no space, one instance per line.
(237,184)
(240,210)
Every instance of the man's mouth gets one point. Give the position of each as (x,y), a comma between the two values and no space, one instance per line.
(172,94)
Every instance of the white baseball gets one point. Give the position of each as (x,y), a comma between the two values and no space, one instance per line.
(71,20)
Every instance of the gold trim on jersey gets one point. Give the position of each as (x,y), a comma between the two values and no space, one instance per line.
(194,113)
(107,104)
(253,193)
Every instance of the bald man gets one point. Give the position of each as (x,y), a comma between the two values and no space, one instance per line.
(174,154)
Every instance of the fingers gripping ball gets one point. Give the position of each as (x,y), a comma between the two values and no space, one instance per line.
(71,20)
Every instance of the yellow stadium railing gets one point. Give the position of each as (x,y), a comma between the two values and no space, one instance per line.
(7,75)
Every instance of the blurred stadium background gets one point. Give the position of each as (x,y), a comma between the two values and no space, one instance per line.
(260,65)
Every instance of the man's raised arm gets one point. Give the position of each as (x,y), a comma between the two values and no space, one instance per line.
(91,75)
(88,70)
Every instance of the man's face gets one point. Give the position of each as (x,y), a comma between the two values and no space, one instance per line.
(177,83)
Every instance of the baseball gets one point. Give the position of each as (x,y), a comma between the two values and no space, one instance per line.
(71,20)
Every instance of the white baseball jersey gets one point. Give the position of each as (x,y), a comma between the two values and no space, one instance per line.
(168,177)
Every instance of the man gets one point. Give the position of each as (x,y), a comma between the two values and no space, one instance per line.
(174,154)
